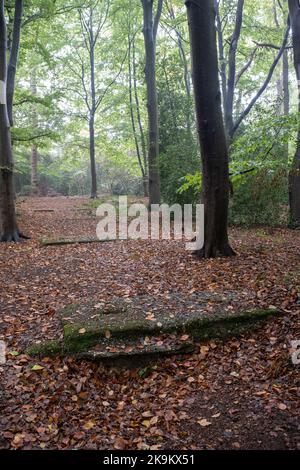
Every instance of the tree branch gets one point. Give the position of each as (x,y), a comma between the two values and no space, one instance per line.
(265,84)
(29,139)
(157,18)
(246,66)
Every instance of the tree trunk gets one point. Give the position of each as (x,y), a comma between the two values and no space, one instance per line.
(9,229)
(286,93)
(222,59)
(132,116)
(92,157)
(150,32)
(34,175)
(92,111)
(214,152)
(187,75)
(34,150)
(285,83)
(139,120)
(232,70)
(294,176)
(13,59)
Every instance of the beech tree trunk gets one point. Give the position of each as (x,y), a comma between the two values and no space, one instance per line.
(286,92)
(34,174)
(13,58)
(92,157)
(285,83)
(294,176)
(187,75)
(34,150)
(150,32)
(132,114)
(92,110)
(8,222)
(229,99)
(214,152)
(139,119)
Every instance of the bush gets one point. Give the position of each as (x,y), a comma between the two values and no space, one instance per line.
(259,198)
(178,159)
(26,190)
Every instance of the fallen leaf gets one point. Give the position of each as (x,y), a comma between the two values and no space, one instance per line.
(184,337)
(37,367)
(204,422)
(89,425)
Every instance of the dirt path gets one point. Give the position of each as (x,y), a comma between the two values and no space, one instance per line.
(240,394)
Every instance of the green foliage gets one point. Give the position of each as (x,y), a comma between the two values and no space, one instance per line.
(260,198)
(53,53)
(191,187)
(180,157)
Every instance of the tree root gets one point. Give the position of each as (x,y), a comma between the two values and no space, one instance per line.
(215,252)
(15,237)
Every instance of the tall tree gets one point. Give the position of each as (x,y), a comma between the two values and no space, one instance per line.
(214,153)
(84,63)
(150,28)
(134,106)
(294,177)
(91,28)
(9,229)
(34,149)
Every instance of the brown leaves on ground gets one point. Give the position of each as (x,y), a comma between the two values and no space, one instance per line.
(243,393)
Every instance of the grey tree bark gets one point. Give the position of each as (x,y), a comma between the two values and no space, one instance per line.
(138,114)
(13,58)
(150,26)
(92,44)
(294,176)
(211,131)
(132,114)
(231,81)
(187,75)
(9,231)
(34,149)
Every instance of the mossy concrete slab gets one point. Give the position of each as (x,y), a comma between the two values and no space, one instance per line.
(133,331)
(89,323)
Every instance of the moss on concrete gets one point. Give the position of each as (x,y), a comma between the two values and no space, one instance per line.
(50,348)
(82,334)
(87,325)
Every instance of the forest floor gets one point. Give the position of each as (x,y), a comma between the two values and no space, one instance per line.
(242,393)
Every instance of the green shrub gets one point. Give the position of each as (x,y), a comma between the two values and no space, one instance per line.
(260,198)
(178,159)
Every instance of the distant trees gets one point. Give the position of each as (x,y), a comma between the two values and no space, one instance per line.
(108,78)
(214,153)
(92,24)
